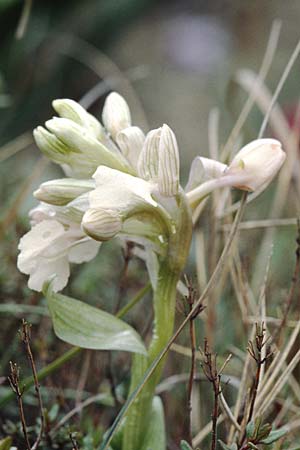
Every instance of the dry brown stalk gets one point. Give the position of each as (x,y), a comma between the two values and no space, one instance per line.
(213,374)
(190,299)
(256,350)
(14,380)
(25,335)
(74,442)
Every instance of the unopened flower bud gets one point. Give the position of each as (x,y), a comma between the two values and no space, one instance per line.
(69,109)
(50,145)
(256,164)
(60,192)
(116,114)
(101,224)
(168,169)
(149,160)
(131,140)
(71,144)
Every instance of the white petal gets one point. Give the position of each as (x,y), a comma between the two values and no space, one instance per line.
(38,240)
(120,191)
(204,169)
(45,251)
(130,141)
(83,251)
(45,270)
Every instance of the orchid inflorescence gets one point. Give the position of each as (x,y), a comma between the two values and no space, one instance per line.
(120,182)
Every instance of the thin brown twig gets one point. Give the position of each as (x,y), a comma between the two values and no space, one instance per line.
(14,380)
(190,299)
(209,366)
(74,442)
(255,349)
(25,335)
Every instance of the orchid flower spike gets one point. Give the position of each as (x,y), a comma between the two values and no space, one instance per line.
(123,183)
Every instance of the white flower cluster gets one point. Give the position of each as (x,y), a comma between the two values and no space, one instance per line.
(120,182)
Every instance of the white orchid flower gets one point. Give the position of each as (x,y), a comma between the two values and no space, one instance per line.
(204,169)
(253,168)
(122,203)
(55,240)
(256,164)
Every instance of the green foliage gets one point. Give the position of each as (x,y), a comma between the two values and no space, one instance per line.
(227,447)
(83,325)
(259,433)
(185,445)
(155,438)
(256,431)
(5,443)
(274,436)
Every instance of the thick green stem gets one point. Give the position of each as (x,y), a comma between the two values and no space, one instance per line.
(164,302)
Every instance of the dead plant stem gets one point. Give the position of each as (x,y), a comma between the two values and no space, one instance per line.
(26,341)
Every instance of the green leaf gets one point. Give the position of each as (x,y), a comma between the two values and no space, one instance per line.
(250,429)
(155,438)
(185,446)
(5,443)
(274,436)
(227,447)
(83,325)
(264,431)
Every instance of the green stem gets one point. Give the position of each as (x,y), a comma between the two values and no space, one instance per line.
(123,311)
(164,302)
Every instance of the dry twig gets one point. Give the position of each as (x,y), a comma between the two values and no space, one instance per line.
(14,380)
(25,335)
(209,366)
